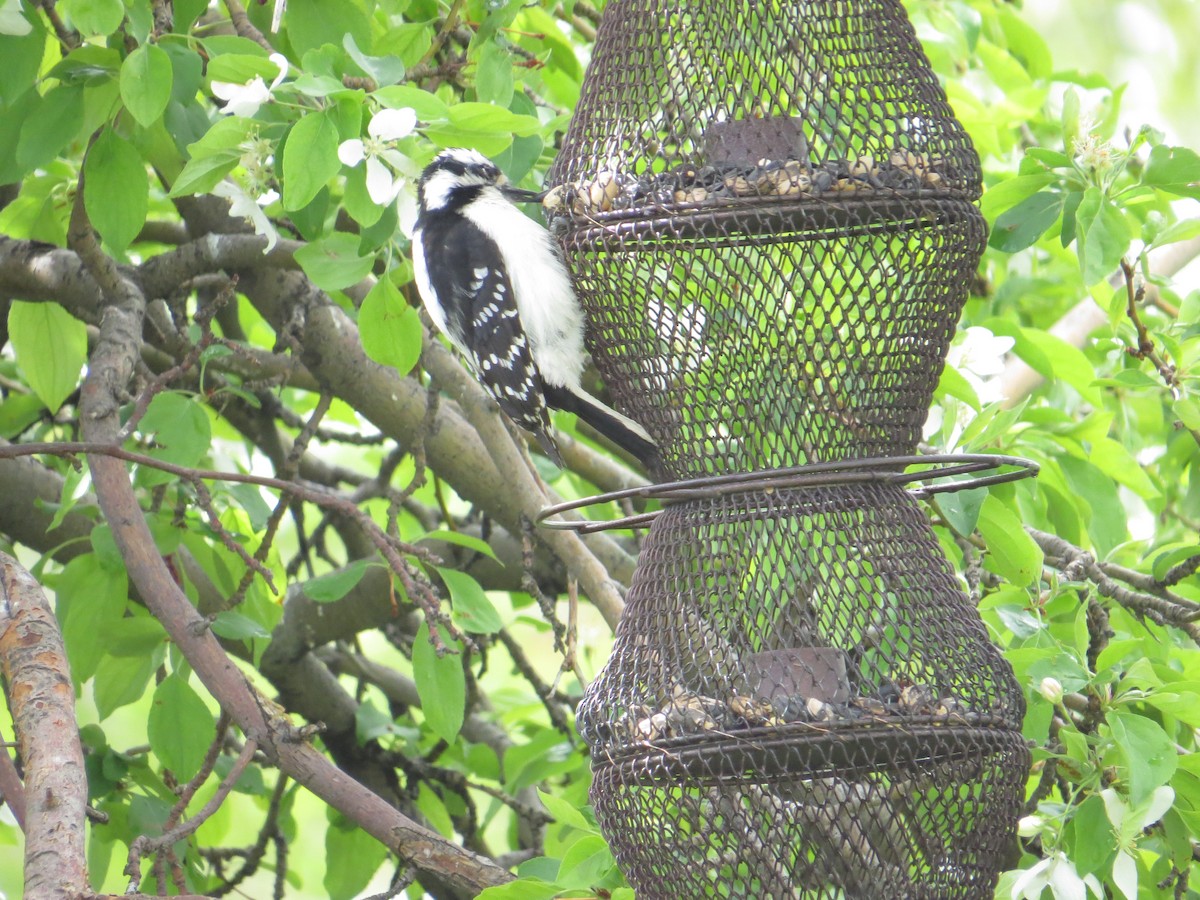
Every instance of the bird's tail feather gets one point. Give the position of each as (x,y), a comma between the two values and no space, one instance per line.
(621,430)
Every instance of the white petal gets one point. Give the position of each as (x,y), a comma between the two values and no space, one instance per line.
(281,61)
(11,20)
(244,206)
(406,210)
(226,90)
(1031,881)
(1065,881)
(262,225)
(268,198)
(1156,807)
(392,124)
(242,99)
(380,184)
(1116,808)
(1125,875)
(233,192)
(351,152)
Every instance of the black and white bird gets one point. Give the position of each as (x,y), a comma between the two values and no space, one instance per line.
(494,282)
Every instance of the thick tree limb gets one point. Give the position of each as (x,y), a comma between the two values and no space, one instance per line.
(35,666)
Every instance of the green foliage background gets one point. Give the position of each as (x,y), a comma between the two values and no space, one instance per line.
(1080,182)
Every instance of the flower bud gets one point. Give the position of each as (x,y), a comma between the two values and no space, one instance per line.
(1029,826)
(1051,689)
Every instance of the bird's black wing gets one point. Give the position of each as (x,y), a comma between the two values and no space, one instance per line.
(484,323)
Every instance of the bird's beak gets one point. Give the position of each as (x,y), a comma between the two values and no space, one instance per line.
(517,195)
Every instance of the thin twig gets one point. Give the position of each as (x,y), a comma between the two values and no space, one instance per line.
(448,26)
(145,844)
(244,27)
(558,717)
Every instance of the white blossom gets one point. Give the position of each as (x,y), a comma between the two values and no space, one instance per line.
(11,20)
(978,355)
(390,174)
(245,99)
(1057,873)
(248,207)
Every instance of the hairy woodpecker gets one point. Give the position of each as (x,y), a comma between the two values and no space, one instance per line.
(494,282)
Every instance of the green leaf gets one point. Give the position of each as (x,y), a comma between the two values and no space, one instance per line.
(146,79)
(335,585)
(471,609)
(357,201)
(351,857)
(116,190)
(237,627)
(547,754)
(94,17)
(88,597)
(181,432)
(460,539)
(180,727)
(1106,526)
(1188,411)
(585,863)
(383,70)
(1149,752)
(961,509)
(50,126)
(488,129)
(1022,225)
(89,65)
(1012,553)
(565,813)
(121,680)
(309,159)
(428,107)
(1090,837)
(311,25)
(433,808)
(1175,170)
(21,56)
(521,889)
(333,262)
(1114,460)
(441,684)
(51,347)
(213,157)
(138,635)
(250,499)
(390,329)
(1011,191)
(18,412)
(1067,362)
(1102,236)
(494,75)
(242,68)
(371,722)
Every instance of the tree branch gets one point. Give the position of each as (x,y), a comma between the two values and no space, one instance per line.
(1078,564)
(34,663)
(1019,380)
(111,366)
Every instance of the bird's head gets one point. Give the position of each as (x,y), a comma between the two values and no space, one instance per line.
(458,176)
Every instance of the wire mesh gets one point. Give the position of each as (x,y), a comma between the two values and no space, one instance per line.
(769,211)
(797,674)
(768,208)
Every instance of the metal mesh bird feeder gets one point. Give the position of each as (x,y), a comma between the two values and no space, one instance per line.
(770,214)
